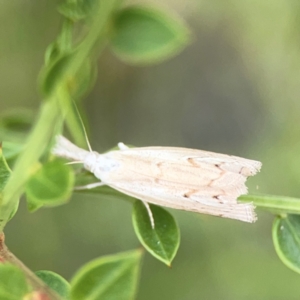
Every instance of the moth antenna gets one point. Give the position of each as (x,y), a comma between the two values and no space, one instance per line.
(149,214)
(87,140)
(83,128)
(84,132)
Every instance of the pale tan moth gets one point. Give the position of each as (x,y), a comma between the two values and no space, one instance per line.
(179,178)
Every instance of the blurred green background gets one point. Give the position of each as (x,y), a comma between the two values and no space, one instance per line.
(234,90)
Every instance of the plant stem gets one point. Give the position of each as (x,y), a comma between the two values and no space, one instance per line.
(276,204)
(51,113)
(97,35)
(34,148)
(37,284)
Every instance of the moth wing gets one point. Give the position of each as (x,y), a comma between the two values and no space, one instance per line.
(239,211)
(231,163)
(185,179)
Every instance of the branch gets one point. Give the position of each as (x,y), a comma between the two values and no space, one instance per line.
(41,290)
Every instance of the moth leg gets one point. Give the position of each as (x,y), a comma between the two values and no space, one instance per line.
(122,146)
(149,214)
(88,186)
(74,162)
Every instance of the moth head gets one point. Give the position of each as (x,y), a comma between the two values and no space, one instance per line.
(99,164)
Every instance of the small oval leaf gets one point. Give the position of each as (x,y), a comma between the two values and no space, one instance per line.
(51,185)
(55,73)
(107,278)
(72,11)
(55,282)
(4,170)
(13,283)
(15,124)
(12,149)
(162,241)
(144,35)
(5,173)
(286,239)
(83,81)
(52,53)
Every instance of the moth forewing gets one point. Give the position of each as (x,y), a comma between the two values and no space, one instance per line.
(182,187)
(186,179)
(239,211)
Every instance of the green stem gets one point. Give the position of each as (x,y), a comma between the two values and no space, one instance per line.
(34,148)
(275,204)
(97,35)
(41,289)
(51,114)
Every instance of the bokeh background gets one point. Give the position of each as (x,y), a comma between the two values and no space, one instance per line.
(234,90)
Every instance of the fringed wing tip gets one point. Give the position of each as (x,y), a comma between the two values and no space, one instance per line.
(248,214)
(253,168)
(257,166)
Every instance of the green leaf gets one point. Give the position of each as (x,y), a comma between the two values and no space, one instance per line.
(5,173)
(13,283)
(72,11)
(51,185)
(12,149)
(15,124)
(4,170)
(55,73)
(108,278)
(286,238)
(76,84)
(53,52)
(33,206)
(144,35)
(162,241)
(69,64)
(84,80)
(77,10)
(55,282)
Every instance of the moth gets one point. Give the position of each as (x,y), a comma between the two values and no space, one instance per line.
(179,178)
